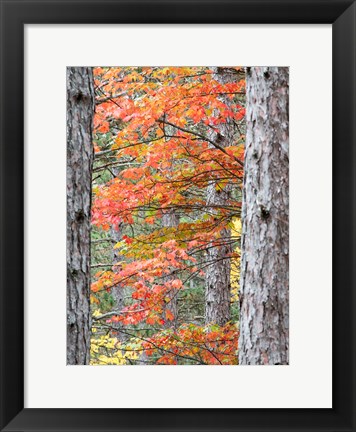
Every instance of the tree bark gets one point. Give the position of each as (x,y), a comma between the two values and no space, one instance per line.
(217,275)
(118,291)
(264,281)
(80,110)
(171,220)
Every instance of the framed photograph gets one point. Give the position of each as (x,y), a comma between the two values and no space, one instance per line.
(177,192)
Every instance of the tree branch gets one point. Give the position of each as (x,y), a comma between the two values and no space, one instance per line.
(204,138)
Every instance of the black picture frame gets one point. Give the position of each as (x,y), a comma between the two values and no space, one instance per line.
(14,15)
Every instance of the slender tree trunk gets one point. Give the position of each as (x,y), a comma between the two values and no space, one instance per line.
(217,275)
(118,291)
(80,109)
(171,220)
(264,292)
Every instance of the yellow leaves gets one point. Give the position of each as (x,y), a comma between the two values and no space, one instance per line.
(94,300)
(128,355)
(236,229)
(221,185)
(120,244)
(106,350)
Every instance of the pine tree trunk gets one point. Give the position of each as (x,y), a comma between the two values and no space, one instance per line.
(217,274)
(80,109)
(264,281)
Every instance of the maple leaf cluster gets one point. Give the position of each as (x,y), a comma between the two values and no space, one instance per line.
(158,148)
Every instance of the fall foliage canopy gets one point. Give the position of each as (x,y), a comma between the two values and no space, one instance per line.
(166,208)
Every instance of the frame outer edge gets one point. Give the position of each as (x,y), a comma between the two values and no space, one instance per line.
(11,188)
(11,222)
(344,214)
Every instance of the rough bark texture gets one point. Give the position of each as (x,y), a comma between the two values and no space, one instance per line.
(80,109)
(217,275)
(264,282)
